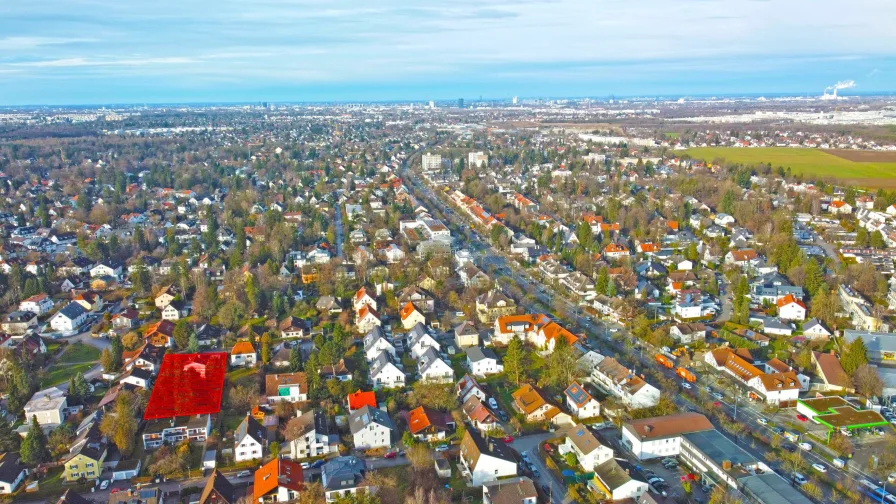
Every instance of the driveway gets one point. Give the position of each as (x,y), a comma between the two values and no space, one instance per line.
(529,446)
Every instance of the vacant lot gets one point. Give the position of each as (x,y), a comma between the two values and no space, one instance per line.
(810,162)
(79,353)
(862,156)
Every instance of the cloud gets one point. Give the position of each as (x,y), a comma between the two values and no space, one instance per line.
(115,62)
(874,72)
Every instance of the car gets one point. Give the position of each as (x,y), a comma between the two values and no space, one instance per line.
(820,468)
(321,462)
(546,488)
(802,418)
(388,455)
(104,485)
(493,403)
(686,385)
(508,439)
(305,465)
(762,421)
(716,404)
(525,457)
(441,448)
(243,474)
(805,446)
(718,395)
(799,479)
(114,491)
(778,430)
(669,459)
(707,388)
(789,447)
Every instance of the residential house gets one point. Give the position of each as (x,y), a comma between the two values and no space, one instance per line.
(12,473)
(359,399)
(510,491)
(589,452)
(479,415)
(431,367)
(614,479)
(90,301)
(106,269)
(492,305)
(468,387)
(483,361)
(427,424)
(631,389)
(343,476)
(411,316)
(371,428)
(316,437)
(830,372)
(292,327)
(87,453)
(161,334)
(366,319)
(385,373)
(649,438)
(69,318)
(249,440)
(814,329)
(126,319)
(195,428)
(375,343)
(790,308)
(165,296)
(419,340)
(530,403)
(466,335)
(279,480)
(363,298)
(291,387)
(485,459)
(243,354)
(175,310)
(19,322)
(580,403)
(421,299)
(39,304)
(218,490)
(48,405)
(685,334)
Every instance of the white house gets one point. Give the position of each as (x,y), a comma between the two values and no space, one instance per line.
(411,316)
(813,328)
(366,319)
(777,387)
(630,388)
(616,482)
(483,361)
(514,490)
(249,440)
(432,368)
(38,304)
(587,449)
(384,373)
(789,308)
(363,298)
(483,460)
(291,387)
(243,354)
(419,340)
(656,437)
(317,436)
(106,269)
(12,473)
(371,428)
(375,343)
(69,318)
(48,406)
(174,311)
(580,403)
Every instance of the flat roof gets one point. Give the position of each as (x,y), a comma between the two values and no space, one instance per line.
(836,412)
(187,385)
(770,488)
(718,448)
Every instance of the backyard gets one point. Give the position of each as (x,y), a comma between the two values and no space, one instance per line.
(76,358)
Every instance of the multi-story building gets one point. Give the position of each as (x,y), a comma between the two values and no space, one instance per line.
(431,162)
(172,431)
(318,435)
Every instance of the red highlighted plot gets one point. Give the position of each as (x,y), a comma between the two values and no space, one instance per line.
(188,384)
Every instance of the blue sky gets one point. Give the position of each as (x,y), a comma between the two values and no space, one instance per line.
(104,51)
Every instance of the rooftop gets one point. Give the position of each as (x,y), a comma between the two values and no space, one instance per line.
(188,384)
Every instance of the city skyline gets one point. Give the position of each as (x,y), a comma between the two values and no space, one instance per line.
(297,51)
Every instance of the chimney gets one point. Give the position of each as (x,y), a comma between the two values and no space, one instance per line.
(726,465)
(648,428)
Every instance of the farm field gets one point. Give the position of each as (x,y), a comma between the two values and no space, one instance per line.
(875,170)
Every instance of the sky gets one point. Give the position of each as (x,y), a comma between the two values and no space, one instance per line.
(167,51)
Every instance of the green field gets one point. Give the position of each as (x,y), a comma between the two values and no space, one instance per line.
(807,162)
(54,375)
(78,353)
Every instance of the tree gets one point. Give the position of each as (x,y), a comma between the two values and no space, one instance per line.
(824,306)
(34,447)
(295,358)
(562,365)
(78,389)
(603,279)
(867,381)
(120,426)
(516,360)
(266,353)
(193,344)
(182,333)
(856,356)
(131,340)
(10,440)
(312,493)
(812,277)
(877,240)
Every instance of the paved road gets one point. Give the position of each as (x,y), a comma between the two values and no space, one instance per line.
(339,230)
(528,445)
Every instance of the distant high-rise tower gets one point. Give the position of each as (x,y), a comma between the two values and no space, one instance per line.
(432,104)
(515,100)
(460,103)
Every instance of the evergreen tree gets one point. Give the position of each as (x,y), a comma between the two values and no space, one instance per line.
(603,278)
(856,356)
(120,426)
(266,354)
(515,360)
(10,440)
(34,447)
(295,358)
(813,278)
(193,345)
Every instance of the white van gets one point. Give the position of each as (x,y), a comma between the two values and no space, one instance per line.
(799,479)
(839,463)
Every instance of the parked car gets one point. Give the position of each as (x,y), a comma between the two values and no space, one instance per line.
(243,474)
(305,465)
(442,448)
(802,418)
(716,404)
(104,485)
(493,403)
(686,385)
(388,455)
(508,439)
(789,447)
(778,430)
(321,462)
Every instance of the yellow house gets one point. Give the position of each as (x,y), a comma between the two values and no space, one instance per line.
(86,457)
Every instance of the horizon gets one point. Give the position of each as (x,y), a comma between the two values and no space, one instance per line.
(99,51)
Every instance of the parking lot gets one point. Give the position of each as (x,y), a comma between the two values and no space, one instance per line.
(674,479)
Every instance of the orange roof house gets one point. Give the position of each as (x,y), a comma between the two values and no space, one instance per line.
(359,399)
(242,348)
(786,300)
(280,478)
(427,423)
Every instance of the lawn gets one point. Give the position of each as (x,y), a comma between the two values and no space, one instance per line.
(79,353)
(54,375)
(810,162)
